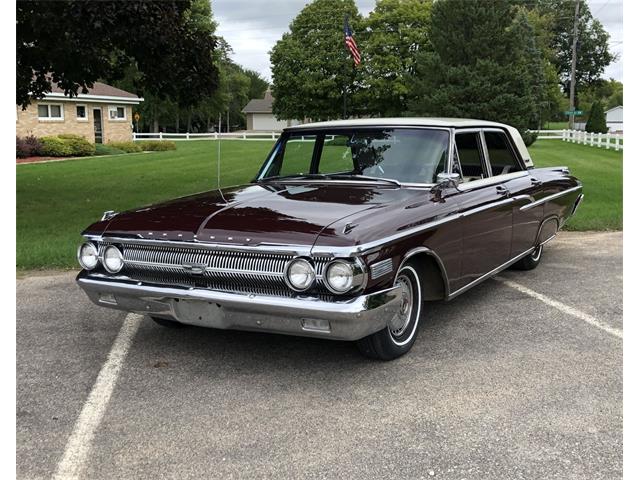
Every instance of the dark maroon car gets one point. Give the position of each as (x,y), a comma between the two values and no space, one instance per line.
(348,228)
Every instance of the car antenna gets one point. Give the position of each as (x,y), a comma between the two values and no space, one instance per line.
(219,140)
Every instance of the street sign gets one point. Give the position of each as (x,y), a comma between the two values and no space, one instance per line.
(575,112)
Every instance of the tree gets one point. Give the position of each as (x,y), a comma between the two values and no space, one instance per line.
(597,122)
(75,43)
(593,54)
(257,85)
(310,65)
(485,64)
(396,30)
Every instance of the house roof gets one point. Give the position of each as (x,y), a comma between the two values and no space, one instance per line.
(614,108)
(100,92)
(101,89)
(260,105)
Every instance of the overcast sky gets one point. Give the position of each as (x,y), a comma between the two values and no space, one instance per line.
(253,27)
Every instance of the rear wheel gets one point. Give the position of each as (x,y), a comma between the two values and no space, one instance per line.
(531,261)
(400,334)
(165,322)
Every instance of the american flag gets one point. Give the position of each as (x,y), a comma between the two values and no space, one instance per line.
(350,42)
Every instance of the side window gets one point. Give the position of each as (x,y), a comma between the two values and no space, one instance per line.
(469,156)
(501,157)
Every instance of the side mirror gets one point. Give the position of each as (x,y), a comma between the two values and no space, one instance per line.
(448,180)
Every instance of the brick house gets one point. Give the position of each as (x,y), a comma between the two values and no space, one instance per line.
(102,115)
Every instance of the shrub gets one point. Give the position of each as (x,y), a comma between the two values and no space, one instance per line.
(22,149)
(28,146)
(34,144)
(129,147)
(80,147)
(70,136)
(55,147)
(157,145)
(529,137)
(102,149)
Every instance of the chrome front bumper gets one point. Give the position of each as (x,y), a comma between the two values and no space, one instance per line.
(349,319)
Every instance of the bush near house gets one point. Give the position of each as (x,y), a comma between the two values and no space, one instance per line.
(129,147)
(28,146)
(157,145)
(66,145)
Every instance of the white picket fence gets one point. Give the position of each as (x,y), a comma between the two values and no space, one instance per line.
(261,136)
(601,140)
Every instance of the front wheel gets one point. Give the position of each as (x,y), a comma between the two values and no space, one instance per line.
(397,339)
(531,261)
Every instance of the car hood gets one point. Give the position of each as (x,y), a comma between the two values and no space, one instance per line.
(254,214)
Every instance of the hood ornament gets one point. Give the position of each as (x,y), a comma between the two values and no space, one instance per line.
(108,215)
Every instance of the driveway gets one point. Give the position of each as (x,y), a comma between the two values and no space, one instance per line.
(521,377)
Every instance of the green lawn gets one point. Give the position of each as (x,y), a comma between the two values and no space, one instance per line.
(56,201)
(599,170)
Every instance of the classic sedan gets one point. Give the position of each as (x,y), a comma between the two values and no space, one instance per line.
(346,231)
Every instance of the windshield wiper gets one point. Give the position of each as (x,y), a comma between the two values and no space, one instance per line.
(354,176)
(301,176)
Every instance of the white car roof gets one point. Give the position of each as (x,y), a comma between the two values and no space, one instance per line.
(422,122)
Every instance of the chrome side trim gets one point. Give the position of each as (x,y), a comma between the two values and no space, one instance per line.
(490,274)
(489,206)
(357,249)
(550,197)
(577,204)
(485,182)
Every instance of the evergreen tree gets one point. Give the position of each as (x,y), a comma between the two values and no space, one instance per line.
(597,122)
(485,64)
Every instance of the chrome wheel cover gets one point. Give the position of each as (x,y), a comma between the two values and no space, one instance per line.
(402,319)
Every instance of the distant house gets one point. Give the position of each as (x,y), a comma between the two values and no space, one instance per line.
(614,119)
(260,116)
(103,114)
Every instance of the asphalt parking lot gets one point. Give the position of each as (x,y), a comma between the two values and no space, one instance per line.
(512,381)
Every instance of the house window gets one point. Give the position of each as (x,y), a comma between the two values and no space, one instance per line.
(50,111)
(117,113)
(81,112)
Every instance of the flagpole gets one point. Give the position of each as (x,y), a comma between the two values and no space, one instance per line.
(344,90)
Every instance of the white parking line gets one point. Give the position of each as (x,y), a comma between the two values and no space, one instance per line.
(562,307)
(75,455)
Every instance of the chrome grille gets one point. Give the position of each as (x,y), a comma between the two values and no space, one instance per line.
(226,270)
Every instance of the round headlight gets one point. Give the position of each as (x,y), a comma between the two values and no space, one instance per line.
(88,256)
(112,259)
(300,274)
(339,276)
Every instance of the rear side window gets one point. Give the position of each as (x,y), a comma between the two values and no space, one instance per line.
(469,156)
(501,157)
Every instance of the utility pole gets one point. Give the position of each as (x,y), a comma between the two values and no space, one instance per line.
(572,88)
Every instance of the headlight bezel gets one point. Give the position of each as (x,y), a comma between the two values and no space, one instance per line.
(358,277)
(96,255)
(109,248)
(312,270)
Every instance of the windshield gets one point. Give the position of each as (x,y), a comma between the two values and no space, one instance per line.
(402,154)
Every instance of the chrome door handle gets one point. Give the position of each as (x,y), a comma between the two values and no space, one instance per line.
(502,190)
(535,181)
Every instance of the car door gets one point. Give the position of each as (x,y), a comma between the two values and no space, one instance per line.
(523,187)
(485,208)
